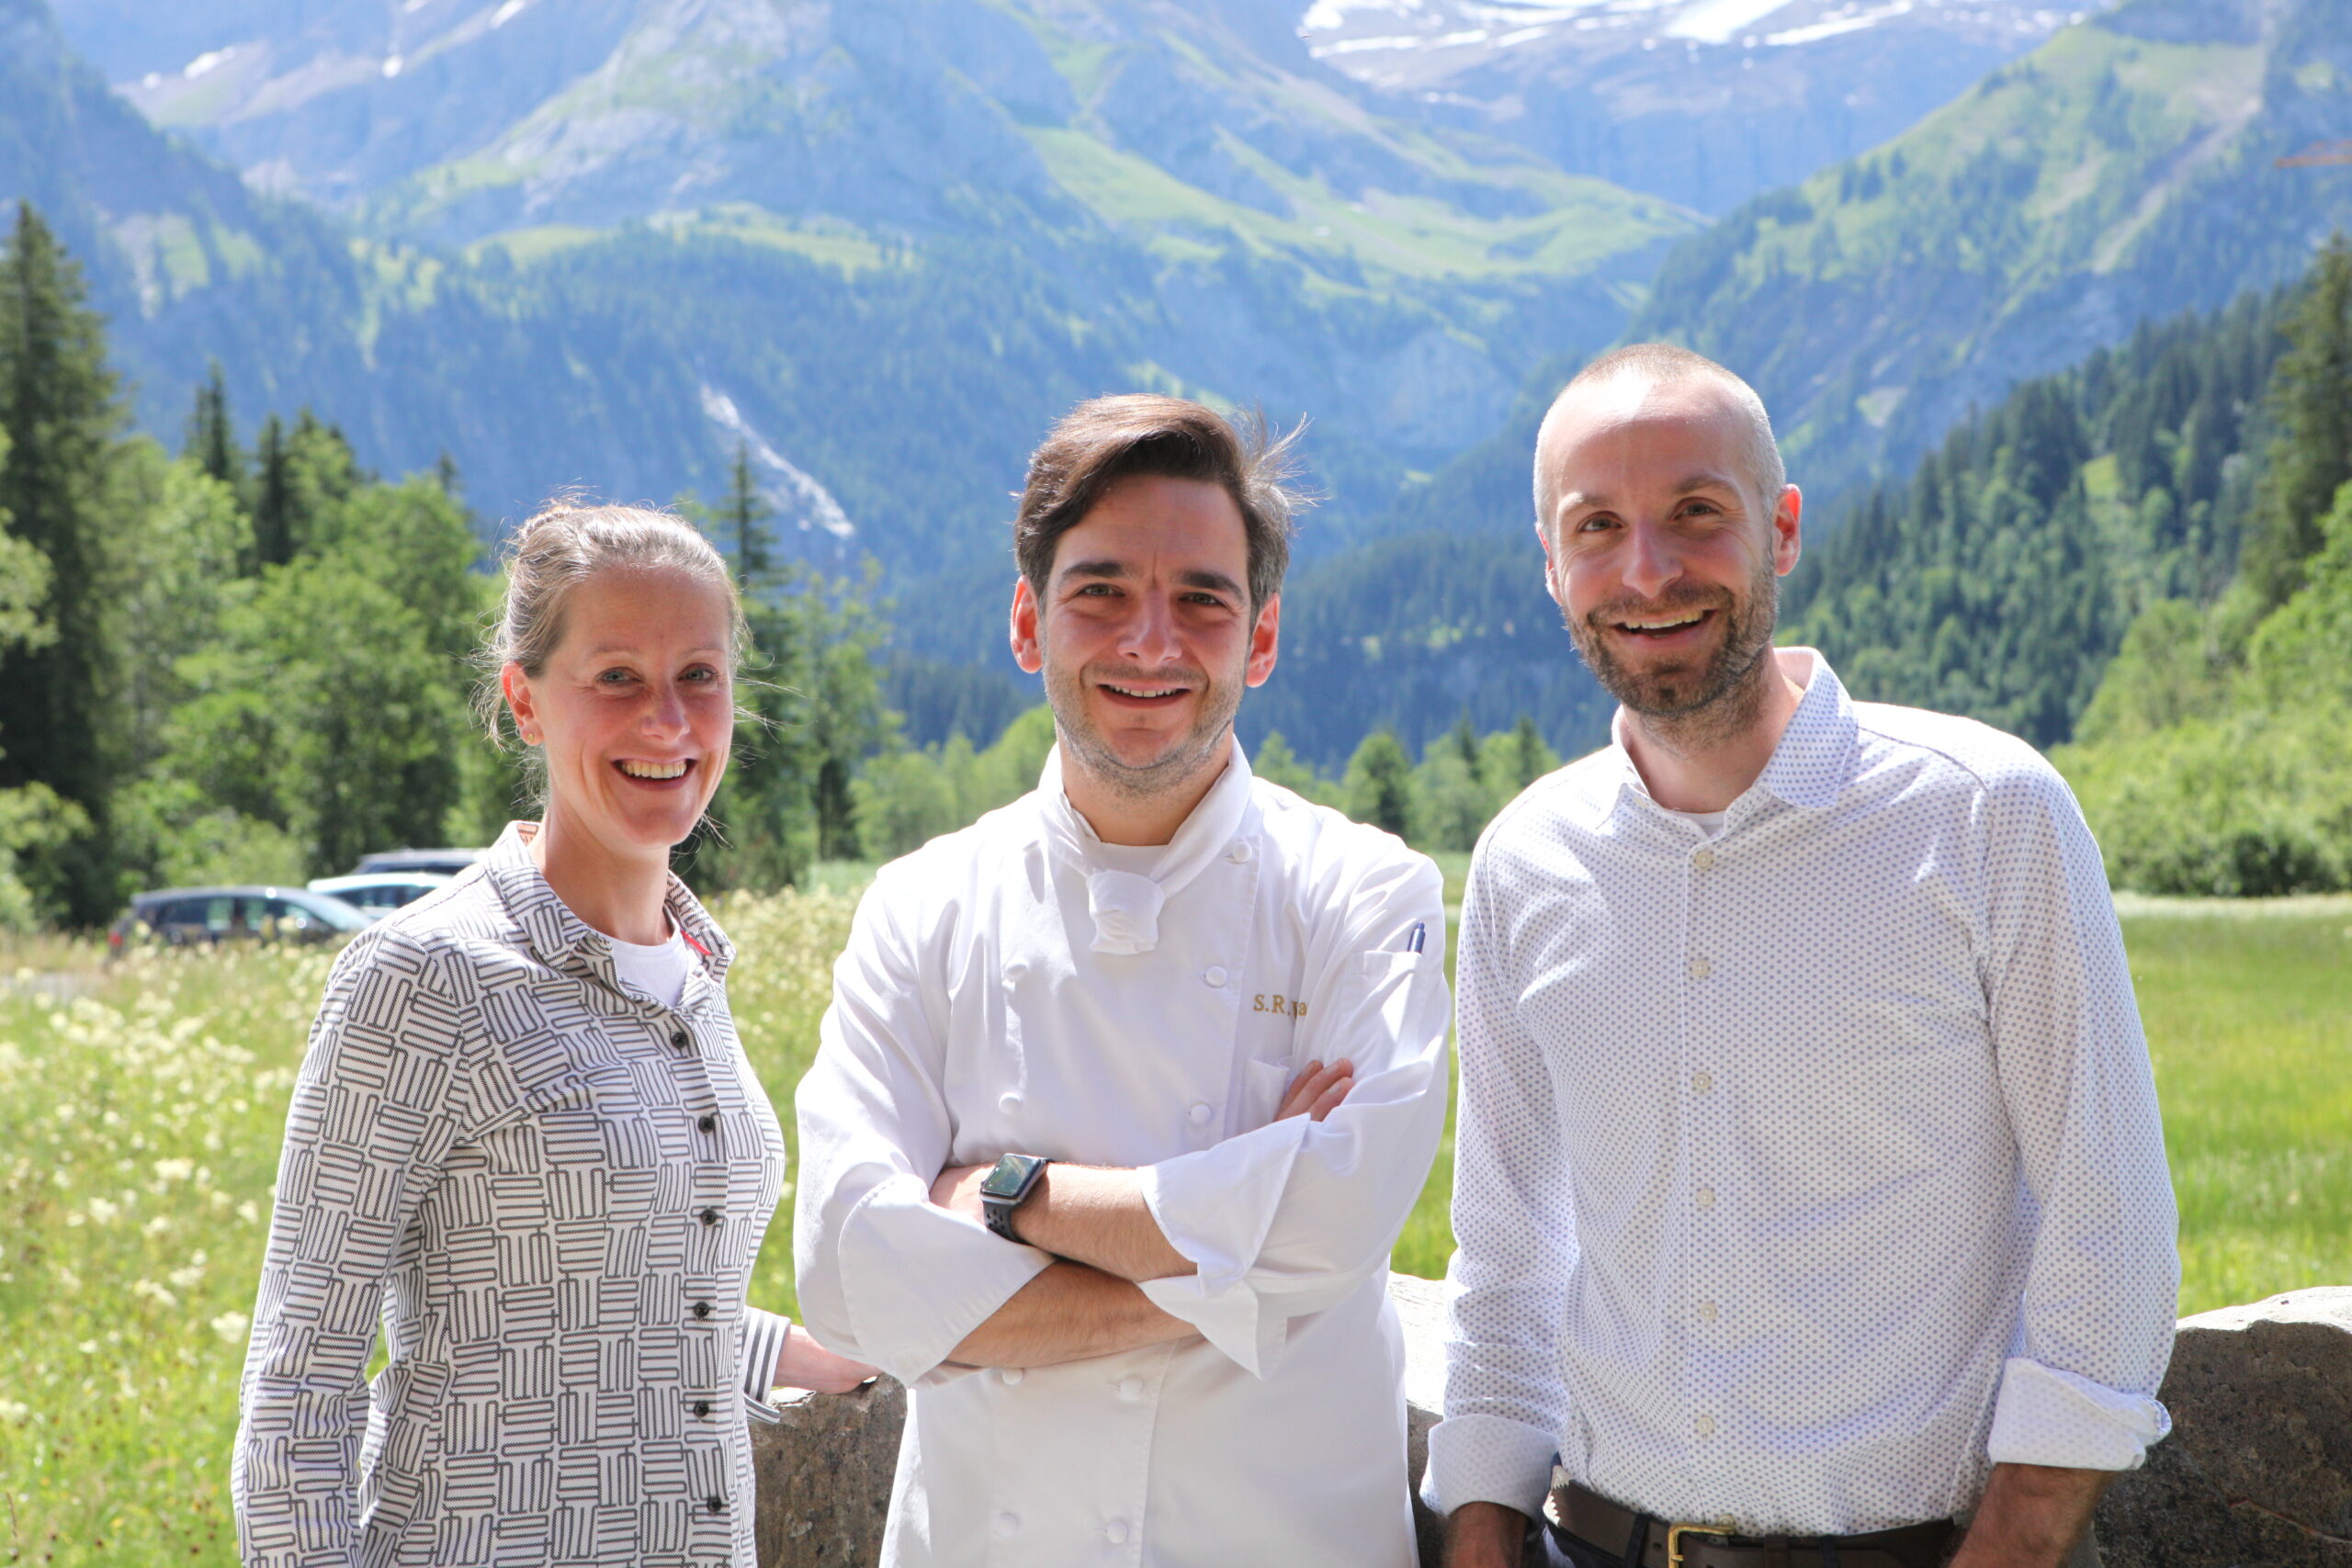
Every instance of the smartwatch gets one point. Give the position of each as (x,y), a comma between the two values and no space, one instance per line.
(1012,1179)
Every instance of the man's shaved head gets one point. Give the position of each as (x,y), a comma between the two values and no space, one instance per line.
(1658,364)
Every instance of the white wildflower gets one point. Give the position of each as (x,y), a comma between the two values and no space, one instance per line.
(175,1170)
(104,1211)
(232,1327)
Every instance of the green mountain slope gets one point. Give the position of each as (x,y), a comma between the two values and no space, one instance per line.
(1998,581)
(2125,171)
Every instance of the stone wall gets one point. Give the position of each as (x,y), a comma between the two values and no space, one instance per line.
(2256,1475)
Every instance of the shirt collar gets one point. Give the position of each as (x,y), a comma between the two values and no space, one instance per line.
(1815,758)
(1125,906)
(560,939)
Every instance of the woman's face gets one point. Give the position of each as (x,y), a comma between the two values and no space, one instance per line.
(635,708)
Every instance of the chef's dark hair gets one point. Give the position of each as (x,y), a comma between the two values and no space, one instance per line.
(1104,440)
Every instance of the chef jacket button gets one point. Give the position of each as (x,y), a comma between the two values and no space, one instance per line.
(1215,975)
(1011,1376)
(1200,1115)
(1007,1526)
(1008,1103)
(1131,1388)
(1239,852)
(1115,1532)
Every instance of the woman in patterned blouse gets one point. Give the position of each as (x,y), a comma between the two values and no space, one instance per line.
(525,1138)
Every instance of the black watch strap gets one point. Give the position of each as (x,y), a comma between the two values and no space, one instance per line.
(1012,1180)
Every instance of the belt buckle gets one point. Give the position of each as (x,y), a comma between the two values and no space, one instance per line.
(1675,1532)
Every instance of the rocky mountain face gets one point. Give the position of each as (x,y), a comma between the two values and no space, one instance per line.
(1705,102)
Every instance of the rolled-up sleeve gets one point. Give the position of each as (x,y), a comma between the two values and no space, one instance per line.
(2103,1281)
(1286,1220)
(1515,1248)
(884,1275)
(382,1095)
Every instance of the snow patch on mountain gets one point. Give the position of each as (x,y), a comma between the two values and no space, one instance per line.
(796,495)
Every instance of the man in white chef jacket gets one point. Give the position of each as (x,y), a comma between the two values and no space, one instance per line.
(1219,1011)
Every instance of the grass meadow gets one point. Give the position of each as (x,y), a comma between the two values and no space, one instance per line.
(140,1105)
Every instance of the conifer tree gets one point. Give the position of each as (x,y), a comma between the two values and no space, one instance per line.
(212,443)
(60,413)
(2311,402)
(745,513)
(1380,784)
(273,498)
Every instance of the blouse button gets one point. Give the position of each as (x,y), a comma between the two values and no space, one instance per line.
(1215,975)
(678,1038)
(708,1125)
(708,1216)
(714,1502)
(1200,1115)
(702,1407)
(702,1309)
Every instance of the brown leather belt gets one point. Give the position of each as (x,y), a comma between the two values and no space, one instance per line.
(1685,1543)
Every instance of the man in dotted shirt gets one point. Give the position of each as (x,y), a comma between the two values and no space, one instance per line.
(1810,1190)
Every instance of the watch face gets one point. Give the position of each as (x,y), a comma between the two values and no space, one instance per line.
(1011,1176)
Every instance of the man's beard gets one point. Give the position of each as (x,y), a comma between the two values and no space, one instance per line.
(1172,769)
(1713,695)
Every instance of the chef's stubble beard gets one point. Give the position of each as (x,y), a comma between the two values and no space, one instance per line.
(1728,693)
(1166,774)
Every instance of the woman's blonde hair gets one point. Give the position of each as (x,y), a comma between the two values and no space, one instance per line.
(561,547)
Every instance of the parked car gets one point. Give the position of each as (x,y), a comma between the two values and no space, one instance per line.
(379,891)
(436,863)
(183,917)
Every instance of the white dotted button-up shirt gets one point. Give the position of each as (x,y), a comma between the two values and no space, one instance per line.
(1804,1171)
(973,1015)
(551,1190)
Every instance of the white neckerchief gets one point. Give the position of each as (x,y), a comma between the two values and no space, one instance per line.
(1125,906)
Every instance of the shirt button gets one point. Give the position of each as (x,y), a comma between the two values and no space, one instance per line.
(1703,860)
(1704,1197)
(1702,1082)
(1701,968)
(678,1038)
(1008,1103)
(708,1125)
(1115,1532)
(1705,1426)
(708,1216)
(714,1502)
(1010,1376)
(702,1309)
(1131,1388)
(1707,1312)
(1199,1115)
(1215,975)
(1007,1526)
(702,1407)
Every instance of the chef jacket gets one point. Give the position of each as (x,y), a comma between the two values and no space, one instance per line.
(1001,993)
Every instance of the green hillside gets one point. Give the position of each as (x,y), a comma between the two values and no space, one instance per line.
(2123,172)
(1998,579)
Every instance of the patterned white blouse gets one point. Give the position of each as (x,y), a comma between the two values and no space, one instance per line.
(551,1189)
